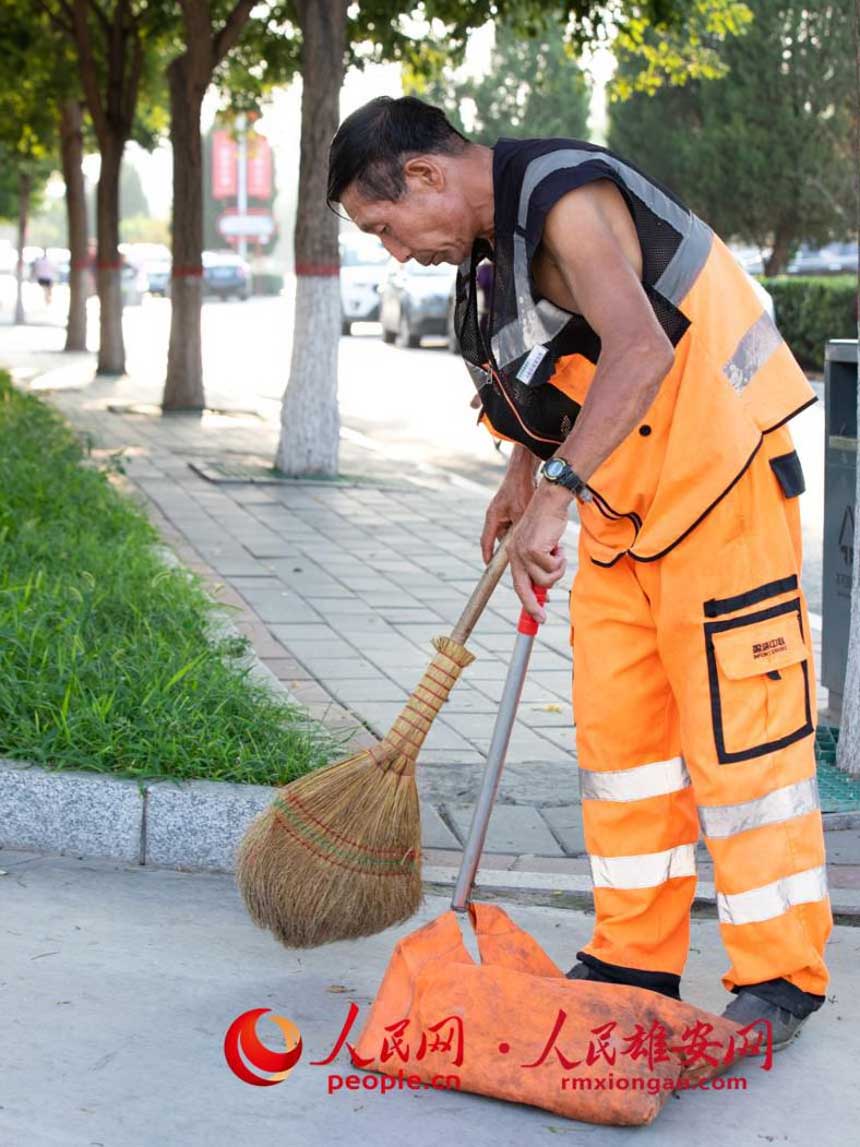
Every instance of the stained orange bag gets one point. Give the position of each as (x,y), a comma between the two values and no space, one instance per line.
(513,1026)
(436,1007)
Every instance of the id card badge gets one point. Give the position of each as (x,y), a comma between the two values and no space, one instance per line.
(534,368)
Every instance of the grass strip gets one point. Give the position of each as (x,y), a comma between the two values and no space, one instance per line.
(107,657)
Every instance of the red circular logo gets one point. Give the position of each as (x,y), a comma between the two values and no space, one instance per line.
(242,1047)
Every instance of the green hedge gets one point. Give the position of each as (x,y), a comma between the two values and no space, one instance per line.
(810,310)
(266,283)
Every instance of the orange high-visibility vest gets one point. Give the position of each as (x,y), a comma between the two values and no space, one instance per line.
(733,380)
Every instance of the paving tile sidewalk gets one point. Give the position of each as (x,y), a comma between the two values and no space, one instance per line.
(341,588)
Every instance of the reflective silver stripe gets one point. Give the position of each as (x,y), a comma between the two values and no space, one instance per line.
(479,377)
(772,900)
(696,236)
(535,324)
(752,352)
(687,262)
(781,804)
(652,780)
(660,203)
(644,871)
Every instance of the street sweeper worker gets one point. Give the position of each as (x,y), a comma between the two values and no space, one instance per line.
(631,364)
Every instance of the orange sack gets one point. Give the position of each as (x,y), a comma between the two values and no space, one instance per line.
(439,1014)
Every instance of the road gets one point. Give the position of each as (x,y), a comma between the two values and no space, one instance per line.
(414,404)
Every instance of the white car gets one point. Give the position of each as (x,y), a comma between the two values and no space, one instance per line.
(362,268)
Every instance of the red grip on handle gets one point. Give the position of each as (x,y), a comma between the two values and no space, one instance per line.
(527,623)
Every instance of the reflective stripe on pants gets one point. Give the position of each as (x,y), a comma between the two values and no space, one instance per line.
(694,698)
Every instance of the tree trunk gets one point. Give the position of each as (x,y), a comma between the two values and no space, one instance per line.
(848,748)
(777,261)
(111,347)
(183,388)
(72,152)
(24,183)
(310,423)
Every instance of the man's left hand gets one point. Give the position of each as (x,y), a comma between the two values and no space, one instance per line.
(535,550)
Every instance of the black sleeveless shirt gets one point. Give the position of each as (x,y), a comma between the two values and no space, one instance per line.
(528,333)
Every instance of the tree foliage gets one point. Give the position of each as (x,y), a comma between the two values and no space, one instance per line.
(28,121)
(430,36)
(533,88)
(764,154)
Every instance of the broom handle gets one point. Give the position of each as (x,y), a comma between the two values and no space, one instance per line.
(481,594)
(519,663)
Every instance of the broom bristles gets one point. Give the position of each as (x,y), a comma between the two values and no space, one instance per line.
(338,853)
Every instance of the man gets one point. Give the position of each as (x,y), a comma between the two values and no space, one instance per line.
(45,274)
(628,351)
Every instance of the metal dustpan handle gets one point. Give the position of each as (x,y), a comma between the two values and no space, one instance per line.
(526,630)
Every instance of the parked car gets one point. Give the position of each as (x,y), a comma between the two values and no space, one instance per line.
(414,301)
(750,258)
(845,255)
(226,275)
(133,283)
(362,266)
(829,260)
(158,276)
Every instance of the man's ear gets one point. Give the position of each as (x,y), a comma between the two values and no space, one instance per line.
(426,171)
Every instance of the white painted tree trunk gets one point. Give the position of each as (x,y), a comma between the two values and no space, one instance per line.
(111,360)
(310,422)
(848,749)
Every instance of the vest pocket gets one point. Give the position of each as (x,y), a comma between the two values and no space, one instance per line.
(758,676)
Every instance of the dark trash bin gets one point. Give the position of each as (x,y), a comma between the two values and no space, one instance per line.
(840,476)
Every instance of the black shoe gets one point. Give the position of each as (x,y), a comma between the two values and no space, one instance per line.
(746,1008)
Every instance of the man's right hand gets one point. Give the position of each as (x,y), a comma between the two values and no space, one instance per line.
(511,499)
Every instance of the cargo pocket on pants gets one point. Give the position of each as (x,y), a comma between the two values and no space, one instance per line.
(758,675)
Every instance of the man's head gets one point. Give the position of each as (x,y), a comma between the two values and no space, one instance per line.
(401,171)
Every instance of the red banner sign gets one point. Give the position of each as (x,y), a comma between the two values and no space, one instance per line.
(223,165)
(259,167)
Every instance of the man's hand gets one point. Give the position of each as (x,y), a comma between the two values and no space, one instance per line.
(510,500)
(535,550)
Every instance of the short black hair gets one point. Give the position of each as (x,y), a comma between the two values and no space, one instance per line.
(370,144)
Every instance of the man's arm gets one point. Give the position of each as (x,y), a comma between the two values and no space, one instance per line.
(512,498)
(584,236)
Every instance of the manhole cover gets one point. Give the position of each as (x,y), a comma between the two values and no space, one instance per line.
(151,410)
(839,792)
(261,472)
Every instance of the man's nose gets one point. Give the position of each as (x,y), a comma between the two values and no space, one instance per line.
(401,253)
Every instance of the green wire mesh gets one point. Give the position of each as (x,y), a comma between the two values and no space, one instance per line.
(839,792)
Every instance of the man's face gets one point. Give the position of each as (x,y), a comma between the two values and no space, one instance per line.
(430,221)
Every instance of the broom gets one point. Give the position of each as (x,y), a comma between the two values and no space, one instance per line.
(338,852)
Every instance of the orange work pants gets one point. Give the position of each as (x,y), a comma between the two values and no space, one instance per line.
(695,704)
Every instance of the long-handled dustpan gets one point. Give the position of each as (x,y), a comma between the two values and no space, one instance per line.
(509,1024)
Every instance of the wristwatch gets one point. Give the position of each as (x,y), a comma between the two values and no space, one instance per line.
(562,474)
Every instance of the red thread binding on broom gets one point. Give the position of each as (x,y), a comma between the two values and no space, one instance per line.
(292,799)
(327,856)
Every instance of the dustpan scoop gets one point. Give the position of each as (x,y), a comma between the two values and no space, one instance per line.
(527,628)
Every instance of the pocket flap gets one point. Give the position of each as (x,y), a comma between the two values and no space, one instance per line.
(757,648)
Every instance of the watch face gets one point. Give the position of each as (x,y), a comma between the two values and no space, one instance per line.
(554,468)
